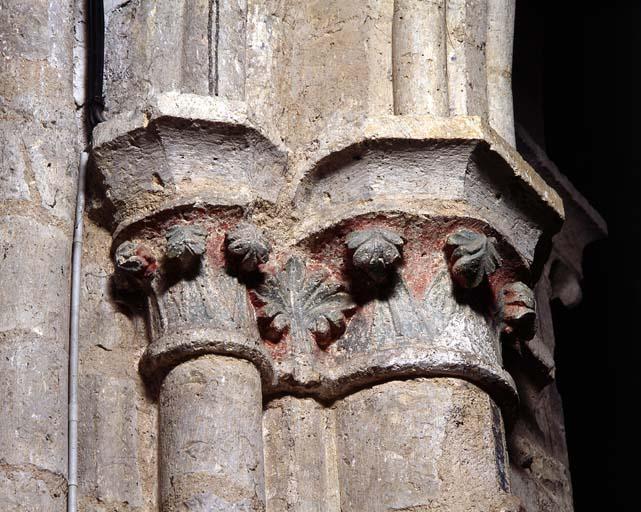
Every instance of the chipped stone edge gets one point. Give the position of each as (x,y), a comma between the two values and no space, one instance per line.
(194,107)
(425,128)
(330,383)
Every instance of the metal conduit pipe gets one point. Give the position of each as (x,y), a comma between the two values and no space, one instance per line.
(94,115)
(76,260)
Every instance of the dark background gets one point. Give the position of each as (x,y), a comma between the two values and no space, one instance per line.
(577,90)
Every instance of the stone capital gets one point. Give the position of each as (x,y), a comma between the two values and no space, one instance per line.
(401,240)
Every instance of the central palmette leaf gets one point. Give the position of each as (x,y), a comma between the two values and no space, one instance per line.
(301,303)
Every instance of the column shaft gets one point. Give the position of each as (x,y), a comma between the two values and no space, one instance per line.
(424,444)
(211,449)
(419,58)
(300,456)
(38,162)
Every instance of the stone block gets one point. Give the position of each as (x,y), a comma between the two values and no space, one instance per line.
(13,181)
(33,384)
(102,322)
(34,278)
(23,491)
(108,448)
(36,58)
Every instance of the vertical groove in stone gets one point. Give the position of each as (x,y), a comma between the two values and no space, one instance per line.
(466,22)
(500,35)
(419,58)
(212,37)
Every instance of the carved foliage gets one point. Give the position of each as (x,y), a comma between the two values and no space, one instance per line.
(472,257)
(135,260)
(375,251)
(517,311)
(186,243)
(300,303)
(248,246)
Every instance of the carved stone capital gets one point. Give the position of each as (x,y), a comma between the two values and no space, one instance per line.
(345,283)
(194,305)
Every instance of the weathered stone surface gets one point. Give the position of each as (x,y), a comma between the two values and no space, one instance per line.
(109,462)
(162,166)
(421,444)
(28,490)
(301,460)
(211,446)
(391,120)
(38,161)
(38,130)
(340,70)
(33,383)
(14,176)
(34,278)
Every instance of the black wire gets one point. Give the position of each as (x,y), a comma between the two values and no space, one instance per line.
(96,60)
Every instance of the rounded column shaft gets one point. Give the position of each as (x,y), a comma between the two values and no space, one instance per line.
(424,444)
(419,58)
(211,449)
